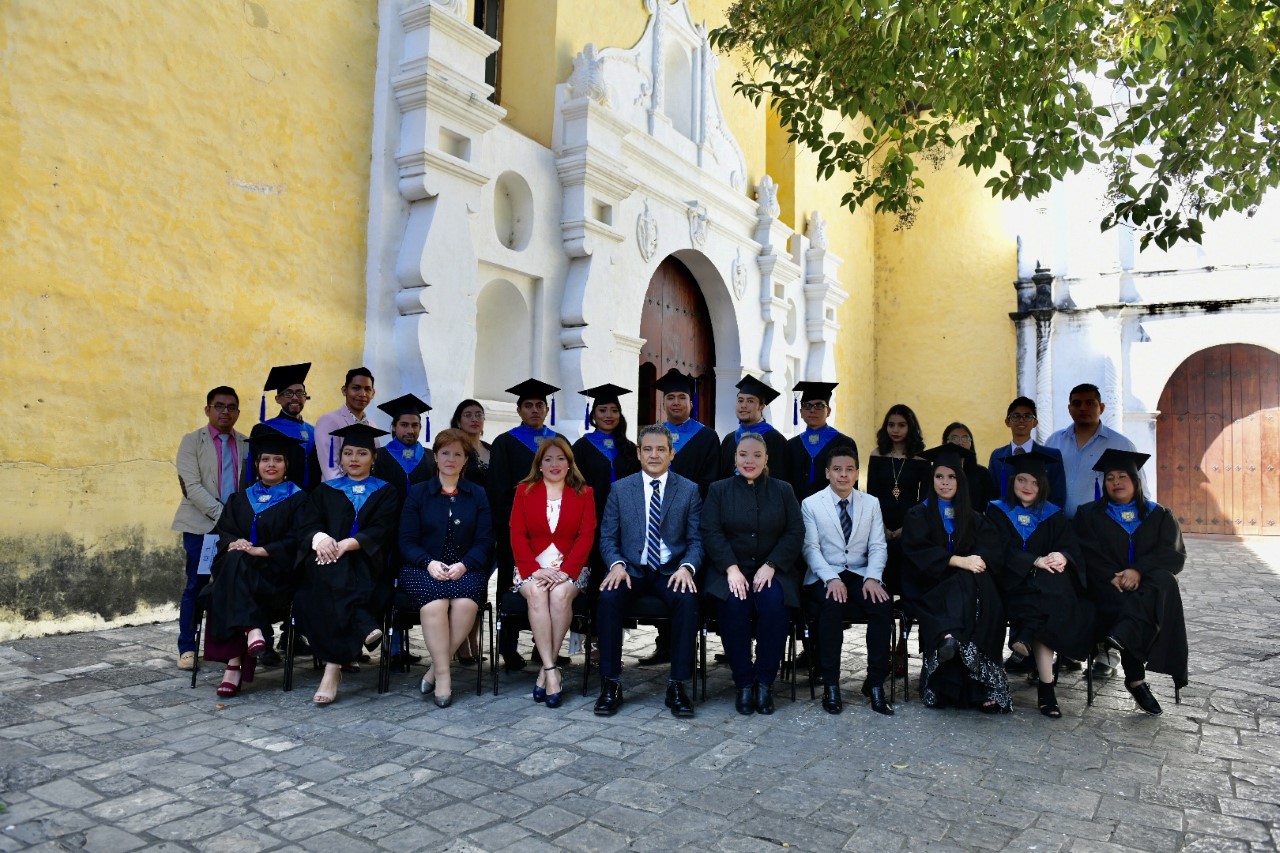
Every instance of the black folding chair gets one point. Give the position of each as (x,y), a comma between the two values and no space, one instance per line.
(402,617)
(709,623)
(513,613)
(810,627)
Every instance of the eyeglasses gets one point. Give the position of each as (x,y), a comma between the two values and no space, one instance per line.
(1021,417)
(813,406)
(289,395)
(224,407)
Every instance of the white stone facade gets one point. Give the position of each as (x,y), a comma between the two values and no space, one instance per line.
(492,258)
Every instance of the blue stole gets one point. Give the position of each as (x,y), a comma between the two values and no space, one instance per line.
(681,434)
(408,455)
(1126,515)
(814,440)
(1025,519)
(530,437)
(300,431)
(759,429)
(603,441)
(357,491)
(262,497)
(948,514)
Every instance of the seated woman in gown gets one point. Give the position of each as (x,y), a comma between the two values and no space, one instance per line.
(951,552)
(553,526)
(446,544)
(346,527)
(1133,548)
(253,574)
(1041,574)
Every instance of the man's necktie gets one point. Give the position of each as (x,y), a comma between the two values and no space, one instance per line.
(653,548)
(227,479)
(1018,451)
(846,523)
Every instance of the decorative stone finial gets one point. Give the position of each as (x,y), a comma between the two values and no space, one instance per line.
(817,231)
(767,197)
(587,79)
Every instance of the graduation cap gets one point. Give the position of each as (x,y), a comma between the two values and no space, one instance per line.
(807,391)
(407,404)
(606,393)
(265,439)
(535,389)
(280,378)
(951,456)
(756,388)
(1120,460)
(1033,462)
(360,435)
(675,382)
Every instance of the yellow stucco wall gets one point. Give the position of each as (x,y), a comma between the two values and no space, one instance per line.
(944,344)
(184,203)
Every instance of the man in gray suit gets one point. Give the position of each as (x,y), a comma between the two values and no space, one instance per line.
(845,551)
(210,464)
(651,540)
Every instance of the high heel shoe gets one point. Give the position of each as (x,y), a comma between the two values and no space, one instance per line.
(947,649)
(256,646)
(1048,699)
(540,692)
(553,700)
(322,698)
(443,701)
(427,686)
(227,689)
(375,637)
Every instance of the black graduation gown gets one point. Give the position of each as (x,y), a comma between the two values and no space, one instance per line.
(946,600)
(698,459)
(1149,622)
(386,468)
(1052,606)
(338,604)
(595,470)
(913,477)
(252,592)
(775,444)
(806,474)
(509,463)
(475,472)
(981,490)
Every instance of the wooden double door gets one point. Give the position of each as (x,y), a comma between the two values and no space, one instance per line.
(676,327)
(1218,442)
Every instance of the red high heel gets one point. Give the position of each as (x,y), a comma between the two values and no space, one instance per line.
(228,689)
(257,645)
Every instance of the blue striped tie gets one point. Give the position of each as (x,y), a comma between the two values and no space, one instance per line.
(653,549)
(227,475)
(846,523)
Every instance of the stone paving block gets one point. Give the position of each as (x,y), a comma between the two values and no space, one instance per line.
(592,838)
(638,794)
(416,837)
(1226,826)
(549,820)
(459,818)
(66,793)
(108,839)
(1145,837)
(286,804)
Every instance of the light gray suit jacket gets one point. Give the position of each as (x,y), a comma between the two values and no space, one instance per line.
(198,478)
(826,552)
(625,527)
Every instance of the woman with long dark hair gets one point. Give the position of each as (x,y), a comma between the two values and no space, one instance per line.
(951,553)
(896,476)
(1041,576)
(981,489)
(1133,549)
(468,416)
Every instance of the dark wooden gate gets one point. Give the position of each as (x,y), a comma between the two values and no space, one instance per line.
(676,326)
(1218,441)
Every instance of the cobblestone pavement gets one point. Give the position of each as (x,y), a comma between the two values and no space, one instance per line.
(105,747)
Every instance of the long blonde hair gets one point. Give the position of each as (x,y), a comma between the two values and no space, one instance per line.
(573,479)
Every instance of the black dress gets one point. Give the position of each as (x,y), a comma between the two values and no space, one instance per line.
(775,444)
(477,471)
(947,600)
(981,488)
(911,476)
(1052,606)
(339,604)
(247,591)
(806,473)
(1149,622)
(600,475)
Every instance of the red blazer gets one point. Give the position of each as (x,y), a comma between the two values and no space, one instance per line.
(575,532)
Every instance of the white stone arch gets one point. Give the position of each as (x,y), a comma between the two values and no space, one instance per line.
(504,338)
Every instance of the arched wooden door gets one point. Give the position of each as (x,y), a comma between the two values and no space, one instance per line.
(1218,441)
(676,327)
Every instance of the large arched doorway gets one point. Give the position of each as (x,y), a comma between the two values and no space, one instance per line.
(1218,441)
(676,327)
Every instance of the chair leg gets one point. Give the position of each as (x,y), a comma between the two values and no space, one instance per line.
(1177,694)
(493,658)
(479,654)
(792,643)
(702,665)
(1088,680)
(198,614)
(903,639)
(384,656)
(290,631)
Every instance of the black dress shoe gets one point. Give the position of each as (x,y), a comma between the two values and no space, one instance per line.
(610,698)
(831,701)
(947,649)
(514,662)
(269,657)
(746,701)
(764,698)
(658,658)
(1102,669)
(879,702)
(678,700)
(1147,702)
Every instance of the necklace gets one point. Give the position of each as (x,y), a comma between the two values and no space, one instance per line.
(897,472)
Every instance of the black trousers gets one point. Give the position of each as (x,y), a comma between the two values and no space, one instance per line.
(831,615)
(611,607)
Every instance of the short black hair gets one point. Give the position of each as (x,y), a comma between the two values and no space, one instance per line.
(357,371)
(1021,403)
(843,450)
(221,390)
(1086,388)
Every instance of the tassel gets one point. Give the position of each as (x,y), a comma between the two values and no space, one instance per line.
(586,417)
(253,530)
(553,411)
(795,415)
(1097,488)
(427,426)
(330,452)
(1131,550)
(262,410)
(693,406)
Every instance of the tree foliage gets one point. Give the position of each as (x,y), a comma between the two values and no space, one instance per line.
(1177,101)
